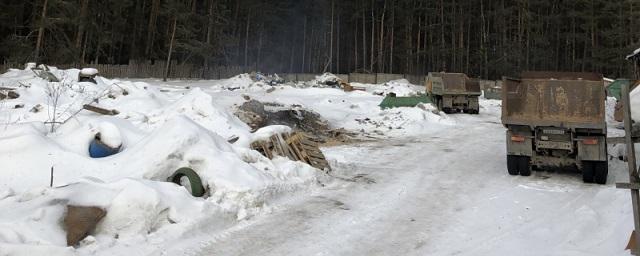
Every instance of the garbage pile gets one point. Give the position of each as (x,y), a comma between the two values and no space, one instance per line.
(258,114)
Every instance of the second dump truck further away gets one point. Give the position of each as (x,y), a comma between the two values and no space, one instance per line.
(556,119)
(454,92)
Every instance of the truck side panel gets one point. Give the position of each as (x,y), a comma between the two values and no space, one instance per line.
(561,103)
(456,83)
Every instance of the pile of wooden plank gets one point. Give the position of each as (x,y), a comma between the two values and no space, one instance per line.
(296,146)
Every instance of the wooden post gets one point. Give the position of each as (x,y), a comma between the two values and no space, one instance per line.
(631,161)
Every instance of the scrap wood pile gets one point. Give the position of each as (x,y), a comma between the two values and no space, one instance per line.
(296,146)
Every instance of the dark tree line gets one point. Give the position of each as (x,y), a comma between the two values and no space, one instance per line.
(485,38)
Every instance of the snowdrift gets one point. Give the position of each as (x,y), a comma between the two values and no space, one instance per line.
(158,133)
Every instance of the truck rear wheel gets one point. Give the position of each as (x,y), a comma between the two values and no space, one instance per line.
(512,164)
(524,165)
(588,171)
(601,171)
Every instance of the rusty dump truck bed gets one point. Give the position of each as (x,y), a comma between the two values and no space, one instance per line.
(562,99)
(458,83)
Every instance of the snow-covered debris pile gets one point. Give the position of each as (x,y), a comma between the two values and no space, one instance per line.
(327,79)
(401,88)
(236,82)
(157,134)
(342,110)
(89,71)
(258,114)
(403,121)
(243,82)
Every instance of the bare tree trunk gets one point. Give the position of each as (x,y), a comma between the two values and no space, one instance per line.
(99,41)
(153,15)
(304,42)
(355,47)
(467,63)
(373,31)
(41,30)
(418,43)
(330,61)
(84,47)
(381,42)
(173,36)
(528,28)
(246,40)
(338,46)
(260,37)
(483,41)
(364,37)
(393,23)
(83,16)
(292,58)
(442,58)
(311,50)
(210,24)
(453,37)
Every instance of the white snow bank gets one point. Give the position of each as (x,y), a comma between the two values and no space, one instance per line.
(236,82)
(134,208)
(198,106)
(89,71)
(265,133)
(327,78)
(401,87)
(160,132)
(610,109)
(110,135)
(179,142)
(242,82)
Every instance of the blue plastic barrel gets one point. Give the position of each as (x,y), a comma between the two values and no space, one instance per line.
(97,149)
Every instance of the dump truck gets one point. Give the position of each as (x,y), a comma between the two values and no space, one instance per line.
(454,92)
(556,120)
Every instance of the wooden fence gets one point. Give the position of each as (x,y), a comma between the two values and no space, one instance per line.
(147,70)
(188,71)
(359,78)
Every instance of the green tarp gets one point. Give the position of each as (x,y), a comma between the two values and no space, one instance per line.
(394,102)
(614,89)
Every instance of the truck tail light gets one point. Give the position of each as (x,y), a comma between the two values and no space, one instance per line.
(590,141)
(517,138)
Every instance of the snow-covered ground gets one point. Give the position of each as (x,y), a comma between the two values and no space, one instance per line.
(425,183)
